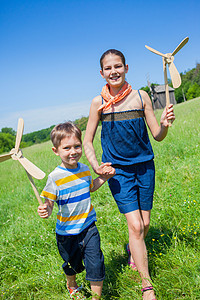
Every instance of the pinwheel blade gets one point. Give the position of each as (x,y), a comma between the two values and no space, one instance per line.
(155,51)
(5,157)
(20,129)
(175,76)
(180,45)
(31,168)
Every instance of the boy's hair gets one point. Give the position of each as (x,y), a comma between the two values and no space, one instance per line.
(115,52)
(62,130)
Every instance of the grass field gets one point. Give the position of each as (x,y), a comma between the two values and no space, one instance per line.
(30,266)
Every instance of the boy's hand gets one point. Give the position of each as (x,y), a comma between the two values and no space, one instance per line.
(43,211)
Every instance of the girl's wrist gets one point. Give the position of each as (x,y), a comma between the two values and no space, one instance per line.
(95,168)
(162,124)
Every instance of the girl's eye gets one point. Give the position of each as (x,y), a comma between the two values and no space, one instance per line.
(78,146)
(119,66)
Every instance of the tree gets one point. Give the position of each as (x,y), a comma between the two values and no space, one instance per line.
(193,91)
(7,142)
(8,130)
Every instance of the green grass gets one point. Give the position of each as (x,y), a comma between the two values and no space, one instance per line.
(30,266)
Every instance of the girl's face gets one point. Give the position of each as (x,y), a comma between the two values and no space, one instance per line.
(114,70)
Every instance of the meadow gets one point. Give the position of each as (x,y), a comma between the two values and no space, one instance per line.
(30,266)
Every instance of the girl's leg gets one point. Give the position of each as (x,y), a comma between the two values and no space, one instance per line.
(146,221)
(136,228)
(96,287)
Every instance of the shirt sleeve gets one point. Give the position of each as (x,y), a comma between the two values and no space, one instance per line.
(91,181)
(50,190)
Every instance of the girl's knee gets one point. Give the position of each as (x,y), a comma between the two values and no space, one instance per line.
(136,228)
(146,224)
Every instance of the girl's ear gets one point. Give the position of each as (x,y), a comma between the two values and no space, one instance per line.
(55,150)
(126,68)
(101,72)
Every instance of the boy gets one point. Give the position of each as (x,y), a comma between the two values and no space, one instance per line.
(69,185)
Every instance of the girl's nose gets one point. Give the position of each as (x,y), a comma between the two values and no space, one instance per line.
(113,71)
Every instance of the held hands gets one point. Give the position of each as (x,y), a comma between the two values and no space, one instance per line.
(43,211)
(167,117)
(105,170)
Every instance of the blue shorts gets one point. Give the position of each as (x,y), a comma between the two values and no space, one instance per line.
(82,247)
(133,186)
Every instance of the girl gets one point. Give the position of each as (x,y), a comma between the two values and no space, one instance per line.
(126,145)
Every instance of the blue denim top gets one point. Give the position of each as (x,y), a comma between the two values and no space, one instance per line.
(124,137)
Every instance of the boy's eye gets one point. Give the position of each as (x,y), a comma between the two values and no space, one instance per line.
(77,147)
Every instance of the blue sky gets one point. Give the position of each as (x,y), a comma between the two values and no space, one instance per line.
(50,50)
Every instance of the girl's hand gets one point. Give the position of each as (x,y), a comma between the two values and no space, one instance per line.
(43,211)
(104,168)
(167,117)
(108,171)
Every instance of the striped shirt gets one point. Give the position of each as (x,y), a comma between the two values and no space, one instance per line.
(70,189)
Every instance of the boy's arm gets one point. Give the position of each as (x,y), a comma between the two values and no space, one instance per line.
(46,209)
(99,181)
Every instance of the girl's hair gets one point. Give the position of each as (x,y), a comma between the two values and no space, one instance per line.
(62,130)
(115,52)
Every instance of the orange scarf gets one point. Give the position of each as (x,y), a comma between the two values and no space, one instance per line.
(125,90)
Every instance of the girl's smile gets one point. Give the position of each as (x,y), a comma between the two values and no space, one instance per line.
(114,71)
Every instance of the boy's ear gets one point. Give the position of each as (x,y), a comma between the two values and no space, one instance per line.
(126,67)
(55,150)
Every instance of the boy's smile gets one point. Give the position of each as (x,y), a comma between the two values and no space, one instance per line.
(70,151)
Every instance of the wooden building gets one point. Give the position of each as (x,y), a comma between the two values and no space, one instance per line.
(159,98)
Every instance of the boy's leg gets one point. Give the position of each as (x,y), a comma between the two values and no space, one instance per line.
(73,288)
(94,260)
(96,287)
(71,281)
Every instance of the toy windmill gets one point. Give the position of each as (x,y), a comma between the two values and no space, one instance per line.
(168,59)
(30,168)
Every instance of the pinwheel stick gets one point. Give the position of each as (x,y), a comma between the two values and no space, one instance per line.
(34,188)
(166,83)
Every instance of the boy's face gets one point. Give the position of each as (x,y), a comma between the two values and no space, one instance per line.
(70,151)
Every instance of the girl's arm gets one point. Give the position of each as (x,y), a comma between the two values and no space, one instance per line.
(159,132)
(46,209)
(93,121)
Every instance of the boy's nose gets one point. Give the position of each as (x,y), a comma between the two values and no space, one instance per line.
(73,150)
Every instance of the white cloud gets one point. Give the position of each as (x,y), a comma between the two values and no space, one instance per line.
(45,117)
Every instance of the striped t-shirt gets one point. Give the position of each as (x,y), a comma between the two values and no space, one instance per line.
(70,189)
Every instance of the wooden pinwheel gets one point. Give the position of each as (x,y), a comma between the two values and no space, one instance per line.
(168,59)
(30,168)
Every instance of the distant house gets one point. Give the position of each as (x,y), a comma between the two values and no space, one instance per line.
(159,98)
